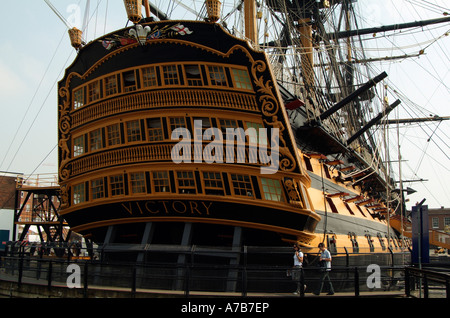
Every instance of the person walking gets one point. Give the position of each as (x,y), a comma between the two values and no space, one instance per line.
(325,264)
(297,270)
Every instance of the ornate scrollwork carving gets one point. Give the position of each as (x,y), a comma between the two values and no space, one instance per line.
(64,196)
(64,126)
(295,198)
(270,108)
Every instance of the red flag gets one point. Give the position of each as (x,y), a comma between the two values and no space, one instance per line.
(294,104)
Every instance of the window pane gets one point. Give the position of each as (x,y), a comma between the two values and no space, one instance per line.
(199,131)
(78,98)
(241,79)
(79,193)
(242,185)
(78,146)
(95,139)
(149,76)
(186,183)
(213,183)
(98,189)
(93,91)
(155,132)
(110,85)
(253,136)
(116,183)
(272,189)
(193,75)
(170,74)
(134,130)
(217,76)
(129,81)
(176,122)
(114,135)
(161,181)
(137,180)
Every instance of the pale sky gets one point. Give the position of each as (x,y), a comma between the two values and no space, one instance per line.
(35,50)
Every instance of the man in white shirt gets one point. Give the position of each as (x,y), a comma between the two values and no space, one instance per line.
(325,261)
(298,262)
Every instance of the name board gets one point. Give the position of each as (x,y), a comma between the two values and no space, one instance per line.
(168,208)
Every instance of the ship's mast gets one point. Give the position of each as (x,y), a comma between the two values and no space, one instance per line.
(251,31)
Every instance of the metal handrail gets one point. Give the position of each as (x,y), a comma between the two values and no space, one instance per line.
(48,271)
(425,276)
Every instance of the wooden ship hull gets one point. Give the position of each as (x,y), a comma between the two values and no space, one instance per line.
(119,108)
(144,158)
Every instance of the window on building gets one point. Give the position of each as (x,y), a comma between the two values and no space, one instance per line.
(242,185)
(238,154)
(79,193)
(78,98)
(133,130)
(200,125)
(254,132)
(241,79)
(193,75)
(213,183)
(95,139)
(176,122)
(110,83)
(149,76)
(116,184)
(186,182)
(170,75)
(129,81)
(435,223)
(227,123)
(79,146)
(93,91)
(272,189)
(217,76)
(155,132)
(446,221)
(113,132)
(137,181)
(98,188)
(161,181)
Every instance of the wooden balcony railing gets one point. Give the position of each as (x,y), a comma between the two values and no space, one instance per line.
(164,98)
(157,153)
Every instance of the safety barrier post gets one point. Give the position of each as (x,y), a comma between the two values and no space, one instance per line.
(133,283)
(20,270)
(85,282)
(302,283)
(407,283)
(356,282)
(425,286)
(49,275)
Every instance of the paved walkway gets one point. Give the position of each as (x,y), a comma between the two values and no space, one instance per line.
(40,285)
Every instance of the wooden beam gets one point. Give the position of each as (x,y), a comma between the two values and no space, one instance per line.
(251,32)
(334,162)
(147,8)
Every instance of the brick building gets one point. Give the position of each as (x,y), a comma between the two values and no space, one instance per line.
(7,199)
(439,222)
(7,192)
